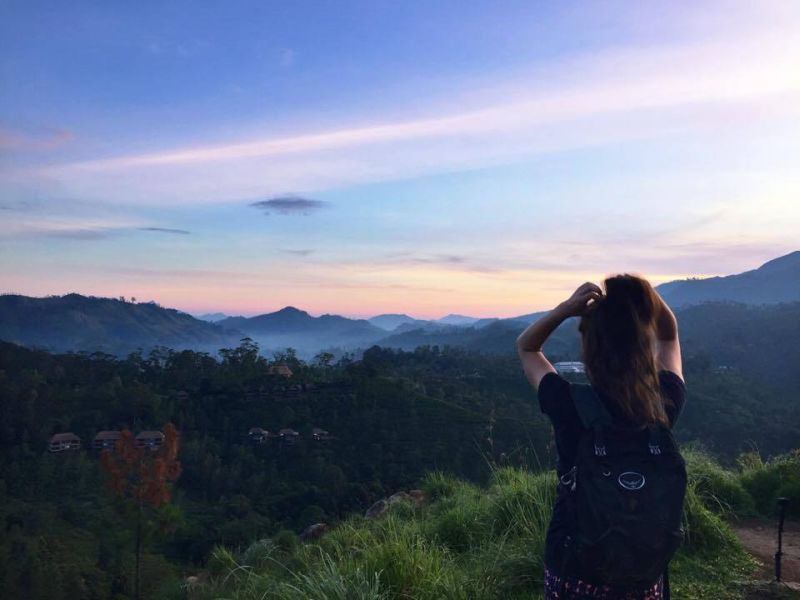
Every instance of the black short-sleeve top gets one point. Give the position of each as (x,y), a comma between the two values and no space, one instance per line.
(555,400)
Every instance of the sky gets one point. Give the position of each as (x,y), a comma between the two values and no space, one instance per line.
(357,158)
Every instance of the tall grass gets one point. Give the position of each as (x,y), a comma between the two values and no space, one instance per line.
(767,480)
(472,542)
(717,488)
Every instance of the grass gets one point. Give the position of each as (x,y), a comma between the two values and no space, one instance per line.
(472,542)
(766,480)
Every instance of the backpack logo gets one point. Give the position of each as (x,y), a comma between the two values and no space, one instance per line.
(631,480)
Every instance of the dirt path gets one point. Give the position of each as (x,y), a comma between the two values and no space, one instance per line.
(761,540)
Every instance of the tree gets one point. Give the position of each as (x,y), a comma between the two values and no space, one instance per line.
(143,475)
(324,359)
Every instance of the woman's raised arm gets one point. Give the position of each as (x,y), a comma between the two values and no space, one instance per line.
(668,345)
(530,341)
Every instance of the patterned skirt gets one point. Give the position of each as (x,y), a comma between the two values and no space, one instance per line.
(570,588)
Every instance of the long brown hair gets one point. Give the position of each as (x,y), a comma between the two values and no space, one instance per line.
(618,334)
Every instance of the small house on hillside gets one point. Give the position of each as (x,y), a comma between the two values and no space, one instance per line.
(290,436)
(149,439)
(320,435)
(282,370)
(64,441)
(105,440)
(258,435)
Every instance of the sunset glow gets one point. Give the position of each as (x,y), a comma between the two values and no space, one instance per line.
(311,156)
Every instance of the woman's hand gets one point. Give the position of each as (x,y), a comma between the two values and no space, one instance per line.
(576,305)
(530,341)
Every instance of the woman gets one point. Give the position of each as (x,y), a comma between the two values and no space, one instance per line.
(633,361)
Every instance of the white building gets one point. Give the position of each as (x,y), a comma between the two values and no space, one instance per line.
(574,366)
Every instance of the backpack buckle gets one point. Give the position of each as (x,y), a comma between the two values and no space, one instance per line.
(652,444)
(600,450)
(599,441)
(569,479)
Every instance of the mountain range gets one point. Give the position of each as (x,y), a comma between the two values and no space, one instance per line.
(84,323)
(81,323)
(775,281)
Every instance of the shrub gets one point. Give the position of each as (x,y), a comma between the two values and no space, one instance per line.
(325,581)
(258,553)
(704,529)
(522,501)
(471,543)
(719,489)
(767,480)
(458,527)
(285,541)
(437,485)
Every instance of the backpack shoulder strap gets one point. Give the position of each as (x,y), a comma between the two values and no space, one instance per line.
(591,410)
(593,414)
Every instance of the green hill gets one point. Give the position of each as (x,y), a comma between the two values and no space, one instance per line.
(467,541)
(776,281)
(73,323)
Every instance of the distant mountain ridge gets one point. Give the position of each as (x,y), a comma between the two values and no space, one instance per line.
(776,281)
(74,322)
(212,317)
(392,321)
(454,319)
(295,328)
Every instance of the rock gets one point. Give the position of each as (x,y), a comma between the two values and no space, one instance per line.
(377,509)
(196,580)
(397,497)
(418,496)
(313,532)
(193,585)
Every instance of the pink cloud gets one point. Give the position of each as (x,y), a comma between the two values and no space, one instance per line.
(44,139)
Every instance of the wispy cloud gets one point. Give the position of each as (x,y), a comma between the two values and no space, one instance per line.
(620,81)
(447,261)
(289,205)
(634,93)
(89,235)
(63,226)
(44,138)
(298,252)
(189,274)
(165,230)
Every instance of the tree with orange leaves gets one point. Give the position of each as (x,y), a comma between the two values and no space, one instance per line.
(143,475)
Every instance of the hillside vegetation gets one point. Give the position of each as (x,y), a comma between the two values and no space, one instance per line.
(116,326)
(471,542)
(393,417)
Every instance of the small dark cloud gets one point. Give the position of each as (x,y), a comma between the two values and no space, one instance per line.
(301,252)
(463,263)
(289,205)
(447,259)
(165,230)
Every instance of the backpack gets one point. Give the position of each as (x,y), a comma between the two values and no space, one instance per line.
(625,497)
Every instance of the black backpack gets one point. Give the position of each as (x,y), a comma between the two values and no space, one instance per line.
(625,495)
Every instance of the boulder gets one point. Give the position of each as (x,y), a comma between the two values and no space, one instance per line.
(418,496)
(313,532)
(377,509)
(397,497)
